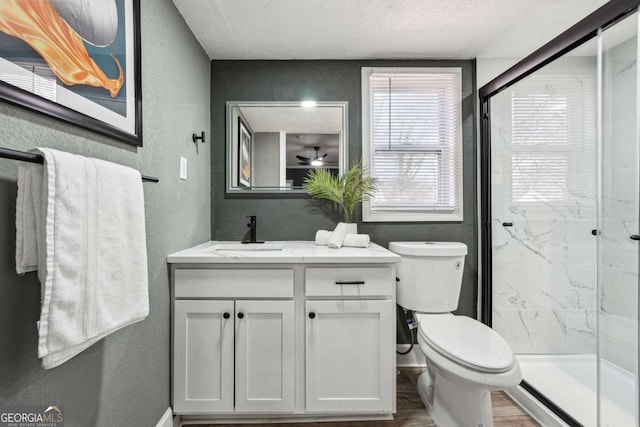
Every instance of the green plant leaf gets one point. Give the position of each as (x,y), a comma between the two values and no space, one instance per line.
(347,191)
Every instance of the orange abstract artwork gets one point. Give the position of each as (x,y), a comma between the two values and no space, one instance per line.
(38,24)
(246,171)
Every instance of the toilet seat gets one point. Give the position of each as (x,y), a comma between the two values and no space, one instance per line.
(466,341)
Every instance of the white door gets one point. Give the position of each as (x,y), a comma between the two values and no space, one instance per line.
(203,356)
(350,365)
(264,356)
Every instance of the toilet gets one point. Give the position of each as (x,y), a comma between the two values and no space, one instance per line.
(466,359)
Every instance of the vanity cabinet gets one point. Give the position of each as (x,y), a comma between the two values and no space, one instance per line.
(264,341)
(293,336)
(233,355)
(347,349)
(203,356)
(209,376)
(348,356)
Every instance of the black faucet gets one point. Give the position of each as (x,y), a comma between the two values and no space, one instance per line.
(253,228)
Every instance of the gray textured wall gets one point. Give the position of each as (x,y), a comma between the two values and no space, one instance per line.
(299,218)
(123,379)
(266,159)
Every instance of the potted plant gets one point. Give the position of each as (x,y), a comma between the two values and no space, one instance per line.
(346,191)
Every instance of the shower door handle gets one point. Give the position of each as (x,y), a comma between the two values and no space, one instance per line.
(635,237)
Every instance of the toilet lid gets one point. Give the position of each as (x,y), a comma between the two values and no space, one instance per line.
(466,341)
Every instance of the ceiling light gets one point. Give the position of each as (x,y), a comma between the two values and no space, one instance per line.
(308,104)
(317,162)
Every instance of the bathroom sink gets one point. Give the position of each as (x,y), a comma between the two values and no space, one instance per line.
(245,247)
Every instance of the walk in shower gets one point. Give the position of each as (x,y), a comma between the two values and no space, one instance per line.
(560,209)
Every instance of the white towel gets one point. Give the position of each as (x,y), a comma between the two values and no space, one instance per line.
(92,257)
(322,237)
(28,209)
(350,240)
(338,235)
(356,241)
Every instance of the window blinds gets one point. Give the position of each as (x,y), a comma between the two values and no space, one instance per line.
(553,139)
(415,137)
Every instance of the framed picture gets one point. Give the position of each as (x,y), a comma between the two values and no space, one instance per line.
(77,61)
(245,146)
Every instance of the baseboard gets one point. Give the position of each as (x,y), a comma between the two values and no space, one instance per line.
(533,407)
(415,358)
(283,419)
(167,419)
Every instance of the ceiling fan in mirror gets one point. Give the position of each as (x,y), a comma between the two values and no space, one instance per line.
(318,160)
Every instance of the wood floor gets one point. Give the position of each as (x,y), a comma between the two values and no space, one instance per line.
(412,413)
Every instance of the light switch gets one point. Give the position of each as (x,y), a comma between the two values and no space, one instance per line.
(183,168)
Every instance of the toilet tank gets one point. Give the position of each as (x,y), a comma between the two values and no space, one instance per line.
(430,275)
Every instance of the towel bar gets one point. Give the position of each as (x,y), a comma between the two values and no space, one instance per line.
(7,153)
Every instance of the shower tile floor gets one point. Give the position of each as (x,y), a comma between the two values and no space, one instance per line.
(412,413)
(570,382)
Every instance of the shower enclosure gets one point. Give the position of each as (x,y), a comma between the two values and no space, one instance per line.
(560,208)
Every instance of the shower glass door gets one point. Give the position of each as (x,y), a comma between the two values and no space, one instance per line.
(617,222)
(543,192)
(561,232)
(565,190)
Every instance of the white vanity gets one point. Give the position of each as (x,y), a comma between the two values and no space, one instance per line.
(287,331)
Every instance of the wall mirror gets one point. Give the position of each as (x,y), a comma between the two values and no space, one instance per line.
(272,146)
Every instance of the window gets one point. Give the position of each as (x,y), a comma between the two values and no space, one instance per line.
(412,143)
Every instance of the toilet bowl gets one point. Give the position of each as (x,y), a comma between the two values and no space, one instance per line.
(466,359)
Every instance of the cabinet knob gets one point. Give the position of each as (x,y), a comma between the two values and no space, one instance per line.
(240,315)
(226,315)
(312,315)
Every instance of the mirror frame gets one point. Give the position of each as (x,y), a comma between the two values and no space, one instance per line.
(343,148)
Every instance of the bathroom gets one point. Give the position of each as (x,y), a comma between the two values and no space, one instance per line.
(125,379)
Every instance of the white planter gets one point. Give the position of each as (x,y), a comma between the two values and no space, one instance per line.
(352,227)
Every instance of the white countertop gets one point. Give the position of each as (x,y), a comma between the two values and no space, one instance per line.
(292,252)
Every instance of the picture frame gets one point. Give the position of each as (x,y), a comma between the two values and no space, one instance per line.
(245,149)
(93,84)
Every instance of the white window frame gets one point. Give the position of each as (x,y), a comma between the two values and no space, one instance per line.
(403,214)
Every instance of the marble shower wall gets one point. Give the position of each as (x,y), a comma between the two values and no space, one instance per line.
(618,258)
(544,183)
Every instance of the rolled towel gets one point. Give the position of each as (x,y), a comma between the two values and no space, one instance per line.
(322,237)
(356,240)
(338,235)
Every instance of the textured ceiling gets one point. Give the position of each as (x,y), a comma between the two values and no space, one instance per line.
(359,29)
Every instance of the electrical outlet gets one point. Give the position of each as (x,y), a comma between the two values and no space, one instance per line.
(183,168)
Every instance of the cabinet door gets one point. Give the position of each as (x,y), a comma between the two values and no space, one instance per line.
(203,356)
(264,356)
(350,364)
